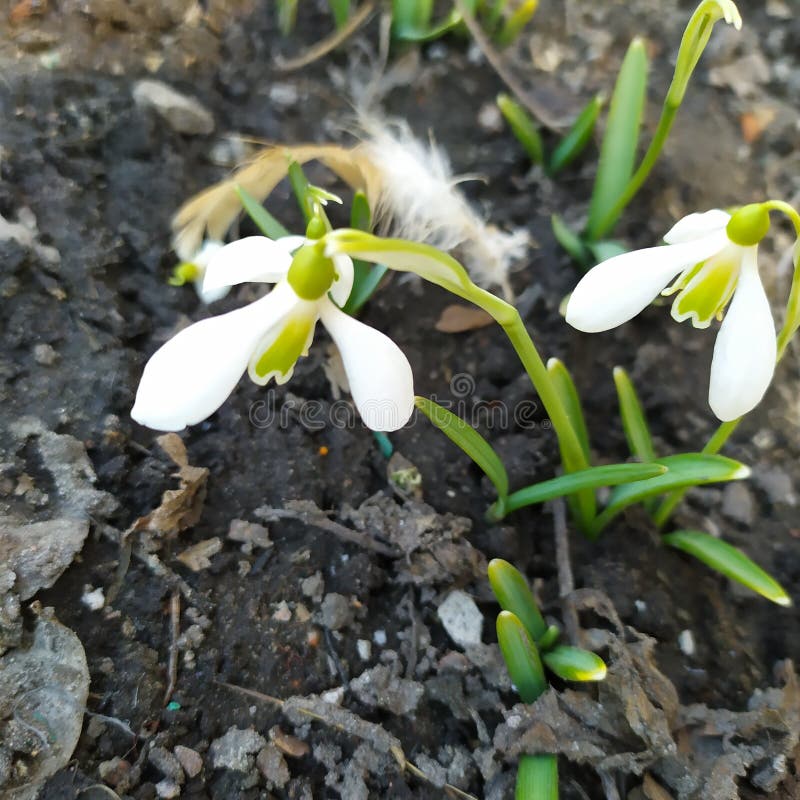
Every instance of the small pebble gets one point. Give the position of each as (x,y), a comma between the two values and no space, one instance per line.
(364,647)
(283,613)
(168,789)
(461,618)
(93,599)
(45,355)
(686,643)
(379,637)
(190,760)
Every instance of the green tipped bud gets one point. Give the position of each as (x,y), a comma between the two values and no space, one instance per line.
(512,592)
(311,274)
(749,225)
(575,664)
(521,657)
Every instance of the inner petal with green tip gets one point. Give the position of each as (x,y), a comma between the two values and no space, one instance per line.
(706,289)
(280,349)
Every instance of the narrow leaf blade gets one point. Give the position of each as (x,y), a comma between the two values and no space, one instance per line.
(265,222)
(634,422)
(469,440)
(730,561)
(577,137)
(592,478)
(569,240)
(522,126)
(618,151)
(514,595)
(686,469)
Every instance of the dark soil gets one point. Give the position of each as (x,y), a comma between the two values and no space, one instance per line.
(103,178)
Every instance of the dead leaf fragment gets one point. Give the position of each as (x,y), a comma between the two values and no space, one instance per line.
(755,122)
(458,319)
(180,508)
(198,556)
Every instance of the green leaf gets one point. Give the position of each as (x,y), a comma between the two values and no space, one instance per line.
(301,187)
(516,21)
(522,126)
(287,15)
(634,422)
(409,17)
(571,400)
(575,664)
(521,657)
(366,278)
(686,469)
(514,595)
(537,778)
(341,11)
(570,240)
(470,441)
(577,137)
(618,151)
(592,478)
(264,221)
(360,213)
(730,561)
(605,249)
(583,505)
(548,639)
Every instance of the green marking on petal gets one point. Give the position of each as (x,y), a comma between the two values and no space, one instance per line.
(682,280)
(311,273)
(709,289)
(282,352)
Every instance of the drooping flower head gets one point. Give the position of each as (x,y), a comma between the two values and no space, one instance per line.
(712,260)
(190,376)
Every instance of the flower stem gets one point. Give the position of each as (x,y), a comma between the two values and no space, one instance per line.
(790,326)
(510,320)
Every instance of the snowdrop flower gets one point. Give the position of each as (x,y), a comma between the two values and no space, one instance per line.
(713,256)
(190,376)
(194,269)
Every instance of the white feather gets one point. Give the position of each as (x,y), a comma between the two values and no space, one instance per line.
(418,199)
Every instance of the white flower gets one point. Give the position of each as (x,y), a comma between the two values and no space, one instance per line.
(200,261)
(714,256)
(190,376)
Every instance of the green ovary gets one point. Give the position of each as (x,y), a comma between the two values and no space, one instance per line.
(311,274)
(282,354)
(708,290)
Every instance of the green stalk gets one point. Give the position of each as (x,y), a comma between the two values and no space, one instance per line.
(537,778)
(694,40)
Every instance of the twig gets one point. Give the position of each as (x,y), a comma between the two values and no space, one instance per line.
(175,632)
(493,57)
(566,580)
(323,47)
(609,786)
(307,512)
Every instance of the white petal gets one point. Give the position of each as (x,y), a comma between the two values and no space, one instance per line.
(190,377)
(694,226)
(745,350)
(252,259)
(618,289)
(343,284)
(210,295)
(379,375)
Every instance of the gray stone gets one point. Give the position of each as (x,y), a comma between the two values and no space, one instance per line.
(190,760)
(182,113)
(336,611)
(236,749)
(272,765)
(166,763)
(738,504)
